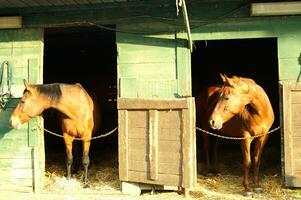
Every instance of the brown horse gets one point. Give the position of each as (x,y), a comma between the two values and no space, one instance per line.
(77,114)
(238,108)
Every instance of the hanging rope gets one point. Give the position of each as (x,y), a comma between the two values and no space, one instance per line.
(5,85)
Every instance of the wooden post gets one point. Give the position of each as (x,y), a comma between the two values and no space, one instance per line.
(153,144)
(123,144)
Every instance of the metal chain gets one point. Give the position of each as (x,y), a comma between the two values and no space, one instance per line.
(200,129)
(93,138)
(236,138)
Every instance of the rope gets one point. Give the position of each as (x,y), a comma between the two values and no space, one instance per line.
(236,138)
(93,138)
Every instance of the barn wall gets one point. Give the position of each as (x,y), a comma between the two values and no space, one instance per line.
(22,150)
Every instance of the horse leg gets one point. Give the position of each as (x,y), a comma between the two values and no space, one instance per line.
(206,152)
(215,156)
(76,156)
(245,147)
(69,158)
(86,161)
(260,142)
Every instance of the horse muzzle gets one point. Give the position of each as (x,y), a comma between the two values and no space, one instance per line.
(216,124)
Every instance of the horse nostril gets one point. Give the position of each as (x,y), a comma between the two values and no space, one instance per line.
(211,122)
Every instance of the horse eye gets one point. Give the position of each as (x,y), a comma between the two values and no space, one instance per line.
(226,98)
(22,101)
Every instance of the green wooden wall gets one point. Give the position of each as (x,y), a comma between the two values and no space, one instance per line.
(286,30)
(153,66)
(20,148)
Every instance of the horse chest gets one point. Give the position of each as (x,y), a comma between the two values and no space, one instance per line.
(73,127)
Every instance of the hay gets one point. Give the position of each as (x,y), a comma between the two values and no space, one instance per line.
(104,182)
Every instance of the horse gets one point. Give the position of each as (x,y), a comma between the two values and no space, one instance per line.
(77,115)
(237,108)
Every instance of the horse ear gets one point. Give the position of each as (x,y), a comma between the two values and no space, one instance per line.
(229,81)
(27,85)
(222,77)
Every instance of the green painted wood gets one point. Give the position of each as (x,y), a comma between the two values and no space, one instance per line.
(15,163)
(149,70)
(24,48)
(289,68)
(33,136)
(184,69)
(146,65)
(289,46)
(12,151)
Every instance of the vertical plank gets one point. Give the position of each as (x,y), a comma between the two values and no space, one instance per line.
(288,135)
(33,70)
(185,148)
(38,159)
(192,132)
(183,61)
(32,132)
(153,144)
(188,156)
(123,144)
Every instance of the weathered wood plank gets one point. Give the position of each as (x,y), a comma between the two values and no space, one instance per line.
(163,146)
(15,163)
(163,179)
(296,96)
(18,185)
(12,151)
(288,68)
(275,8)
(144,88)
(170,119)
(161,53)
(147,71)
(169,134)
(163,168)
(123,147)
(163,157)
(137,119)
(295,115)
(16,173)
(153,144)
(147,104)
(296,131)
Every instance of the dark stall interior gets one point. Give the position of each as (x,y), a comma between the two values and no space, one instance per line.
(85,55)
(253,58)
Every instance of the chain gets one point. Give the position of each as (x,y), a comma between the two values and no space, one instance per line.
(93,138)
(200,129)
(236,138)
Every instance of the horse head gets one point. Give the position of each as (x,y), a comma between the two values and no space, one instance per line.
(29,106)
(232,99)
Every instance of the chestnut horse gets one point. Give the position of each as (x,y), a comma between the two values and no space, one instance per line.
(238,108)
(77,114)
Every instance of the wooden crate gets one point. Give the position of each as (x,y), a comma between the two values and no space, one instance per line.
(157,142)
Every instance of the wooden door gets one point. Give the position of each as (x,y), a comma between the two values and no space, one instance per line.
(155,110)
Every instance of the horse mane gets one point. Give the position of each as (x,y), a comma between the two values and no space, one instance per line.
(53,91)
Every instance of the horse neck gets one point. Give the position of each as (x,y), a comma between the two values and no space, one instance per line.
(261,105)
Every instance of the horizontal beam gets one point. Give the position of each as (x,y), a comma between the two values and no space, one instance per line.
(276,8)
(10,22)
